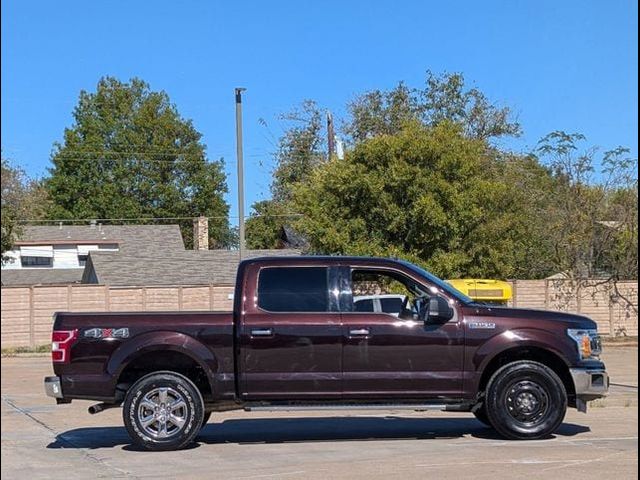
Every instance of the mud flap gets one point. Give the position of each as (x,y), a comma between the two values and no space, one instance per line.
(581,405)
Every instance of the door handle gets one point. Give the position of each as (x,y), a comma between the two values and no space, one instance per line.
(359,332)
(262,332)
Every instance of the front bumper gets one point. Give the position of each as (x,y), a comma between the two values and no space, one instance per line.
(52,387)
(590,384)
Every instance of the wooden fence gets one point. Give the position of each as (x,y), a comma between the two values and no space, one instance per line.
(27,311)
(615,310)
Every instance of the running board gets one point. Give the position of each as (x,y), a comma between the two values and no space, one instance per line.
(418,407)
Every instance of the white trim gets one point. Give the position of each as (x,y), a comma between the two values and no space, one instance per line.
(37,251)
(85,249)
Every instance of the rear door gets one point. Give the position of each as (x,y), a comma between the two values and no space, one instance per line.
(290,334)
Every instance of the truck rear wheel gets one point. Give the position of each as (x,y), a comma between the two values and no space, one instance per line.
(163,411)
(525,400)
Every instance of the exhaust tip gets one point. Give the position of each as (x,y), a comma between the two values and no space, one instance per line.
(93,409)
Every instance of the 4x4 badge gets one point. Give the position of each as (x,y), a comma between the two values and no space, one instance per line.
(107,333)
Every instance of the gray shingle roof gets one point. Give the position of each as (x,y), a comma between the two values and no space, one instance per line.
(41,276)
(187,267)
(131,238)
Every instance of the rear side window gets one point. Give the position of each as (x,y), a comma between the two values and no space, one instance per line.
(365,305)
(391,305)
(293,289)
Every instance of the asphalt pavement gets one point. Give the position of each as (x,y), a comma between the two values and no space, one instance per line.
(44,440)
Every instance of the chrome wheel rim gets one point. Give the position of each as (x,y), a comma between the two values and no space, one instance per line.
(162,412)
(527,402)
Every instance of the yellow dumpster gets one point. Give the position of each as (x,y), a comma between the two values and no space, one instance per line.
(495,292)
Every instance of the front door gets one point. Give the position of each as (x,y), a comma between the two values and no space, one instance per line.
(389,354)
(290,335)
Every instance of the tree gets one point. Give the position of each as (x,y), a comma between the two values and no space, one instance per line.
(264,224)
(592,218)
(380,112)
(443,98)
(129,154)
(446,98)
(430,194)
(23,198)
(301,149)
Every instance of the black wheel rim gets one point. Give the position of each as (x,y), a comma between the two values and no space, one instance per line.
(527,402)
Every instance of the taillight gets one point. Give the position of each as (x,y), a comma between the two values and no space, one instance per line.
(61,341)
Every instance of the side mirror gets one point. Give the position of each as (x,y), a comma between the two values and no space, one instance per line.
(439,310)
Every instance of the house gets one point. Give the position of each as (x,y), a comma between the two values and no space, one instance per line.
(58,254)
(186,267)
(118,255)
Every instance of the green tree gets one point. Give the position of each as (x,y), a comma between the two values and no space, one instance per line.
(443,98)
(592,214)
(301,149)
(381,112)
(23,198)
(431,194)
(129,154)
(265,224)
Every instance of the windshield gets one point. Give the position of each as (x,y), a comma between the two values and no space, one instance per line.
(440,283)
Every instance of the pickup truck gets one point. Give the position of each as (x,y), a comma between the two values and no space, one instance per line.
(295,342)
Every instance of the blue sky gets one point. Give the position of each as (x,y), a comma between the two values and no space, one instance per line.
(570,65)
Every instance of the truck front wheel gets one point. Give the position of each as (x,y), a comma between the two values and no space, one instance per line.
(163,411)
(525,400)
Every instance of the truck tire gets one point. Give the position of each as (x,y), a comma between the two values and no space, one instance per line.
(525,400)
(163,411)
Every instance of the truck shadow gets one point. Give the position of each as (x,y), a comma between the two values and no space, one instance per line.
(306,429)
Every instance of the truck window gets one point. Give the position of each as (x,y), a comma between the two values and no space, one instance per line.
(392,289)
(363,305)
(391,305)
(293,289)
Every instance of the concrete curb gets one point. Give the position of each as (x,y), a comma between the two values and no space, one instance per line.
(26,355)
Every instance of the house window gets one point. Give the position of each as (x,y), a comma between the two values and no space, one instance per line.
(82,260)
(36,261)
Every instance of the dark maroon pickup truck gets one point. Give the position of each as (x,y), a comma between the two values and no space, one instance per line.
(297,341)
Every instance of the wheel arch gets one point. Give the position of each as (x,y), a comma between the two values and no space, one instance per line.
(170,351)
(536,353)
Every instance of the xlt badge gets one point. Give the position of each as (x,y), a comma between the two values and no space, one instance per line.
(482,325)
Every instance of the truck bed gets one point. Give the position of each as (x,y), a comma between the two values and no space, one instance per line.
(107,342)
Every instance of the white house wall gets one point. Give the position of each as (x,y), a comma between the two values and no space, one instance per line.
(65,256)
(13,260)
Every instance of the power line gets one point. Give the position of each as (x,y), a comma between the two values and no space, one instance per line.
(97,155)
(215,217)
(159,153)
(69,220)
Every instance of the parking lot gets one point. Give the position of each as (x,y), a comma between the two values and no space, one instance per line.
(42,440)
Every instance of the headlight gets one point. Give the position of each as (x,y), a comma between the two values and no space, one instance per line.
(588,342)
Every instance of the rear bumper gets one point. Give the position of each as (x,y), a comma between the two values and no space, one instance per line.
(52,387)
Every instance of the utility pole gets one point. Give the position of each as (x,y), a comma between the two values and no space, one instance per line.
(240,171)
(331,136)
